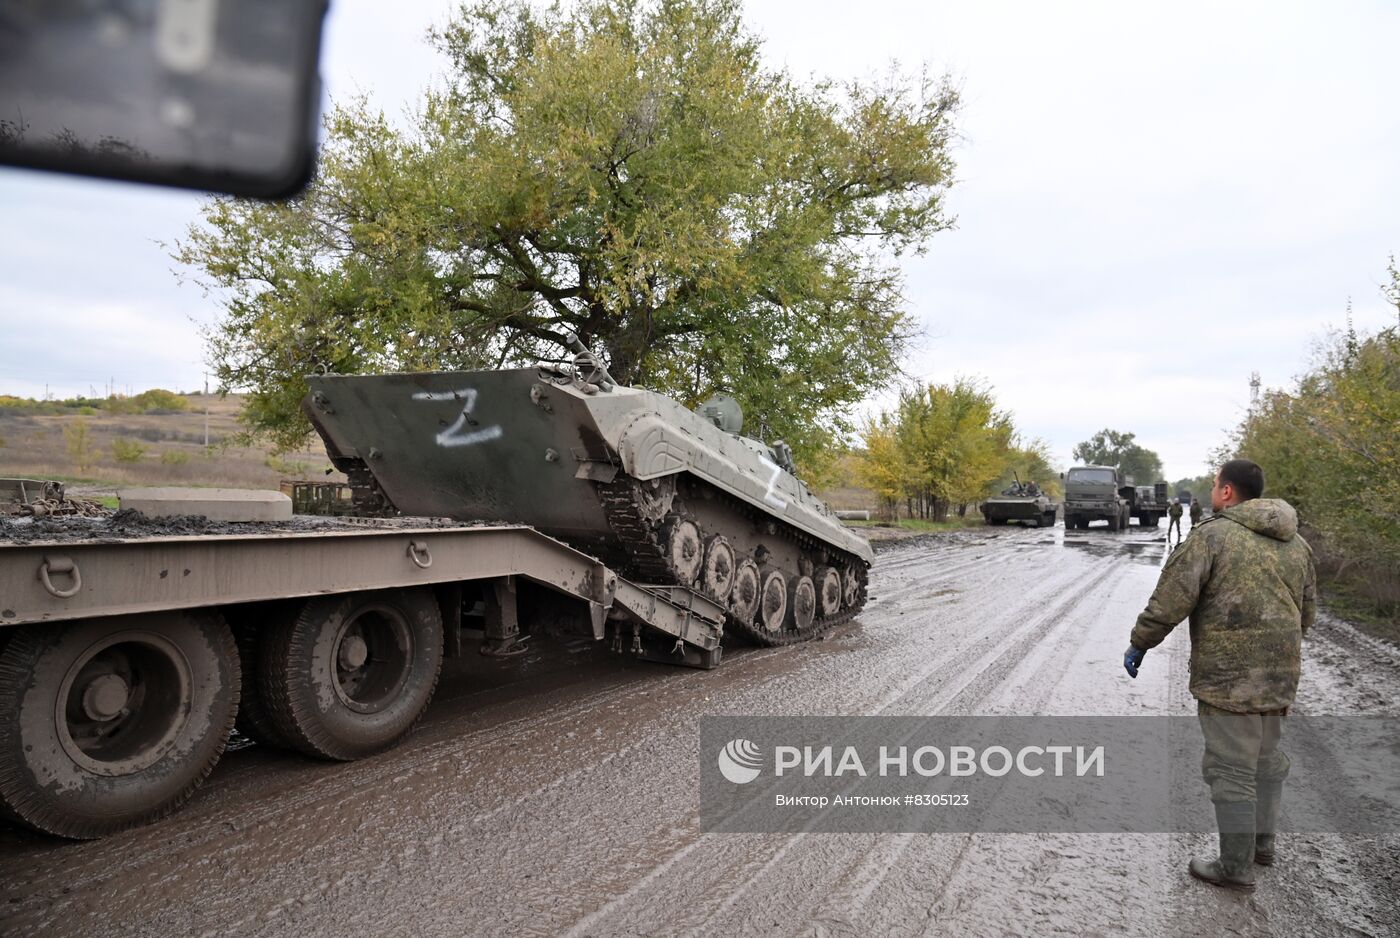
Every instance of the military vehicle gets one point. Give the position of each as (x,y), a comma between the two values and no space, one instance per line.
(1149,504)
(130,648)
(1096,493)
(667,496)
(1024,503)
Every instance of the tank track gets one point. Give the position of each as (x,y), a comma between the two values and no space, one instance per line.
(645,558)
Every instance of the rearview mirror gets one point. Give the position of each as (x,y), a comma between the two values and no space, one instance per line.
(206,94)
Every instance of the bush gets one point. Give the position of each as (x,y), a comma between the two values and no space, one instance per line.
(127,450)
(174,457)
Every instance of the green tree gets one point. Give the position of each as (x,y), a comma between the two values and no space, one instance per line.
(1120,450)
(77,436)
(1031,462)
(631,171)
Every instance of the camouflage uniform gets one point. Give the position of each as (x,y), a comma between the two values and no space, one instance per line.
(1174,513)
(1246,580)
(1196,512)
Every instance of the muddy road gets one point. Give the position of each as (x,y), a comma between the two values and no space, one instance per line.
(556,792)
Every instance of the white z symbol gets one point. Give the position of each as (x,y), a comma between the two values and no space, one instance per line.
(769,496)
(453,435)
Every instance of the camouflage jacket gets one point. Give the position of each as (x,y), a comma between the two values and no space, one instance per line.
(1246,580)
(1174,510)
(1196,512)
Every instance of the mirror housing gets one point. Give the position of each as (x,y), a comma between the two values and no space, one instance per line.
(220,95)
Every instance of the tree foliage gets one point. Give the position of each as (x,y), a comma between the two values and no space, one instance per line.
(942,446)
(1331,446)
(1121,450)
(630,171)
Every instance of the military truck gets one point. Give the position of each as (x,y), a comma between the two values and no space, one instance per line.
(1149,504)
(1096,493)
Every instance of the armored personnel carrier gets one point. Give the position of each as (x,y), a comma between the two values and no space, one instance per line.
(667,496)
(1025,503)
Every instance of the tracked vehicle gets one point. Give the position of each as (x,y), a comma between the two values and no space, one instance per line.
(667,496)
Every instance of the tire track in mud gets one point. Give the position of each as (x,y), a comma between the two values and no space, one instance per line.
(928,692)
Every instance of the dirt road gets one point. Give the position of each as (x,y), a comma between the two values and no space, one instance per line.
(556,793)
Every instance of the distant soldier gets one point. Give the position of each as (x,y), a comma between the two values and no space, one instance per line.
(1196,511)
(1174,512)
(1032,489)
(1246,580)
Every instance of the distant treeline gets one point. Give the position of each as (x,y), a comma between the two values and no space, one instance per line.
(154,401)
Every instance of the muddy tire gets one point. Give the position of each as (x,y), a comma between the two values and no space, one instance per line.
(254,722)
(744,598)
(351,674)
(802,603)
(107,724)
(773,602)
(828,583)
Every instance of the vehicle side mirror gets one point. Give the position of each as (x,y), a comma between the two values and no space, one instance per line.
(199,94)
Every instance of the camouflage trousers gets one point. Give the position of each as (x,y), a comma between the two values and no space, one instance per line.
(1242,750)
(1175,523)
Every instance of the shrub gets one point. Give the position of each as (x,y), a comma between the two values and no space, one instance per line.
(78,438)
(174,457)
(127,450)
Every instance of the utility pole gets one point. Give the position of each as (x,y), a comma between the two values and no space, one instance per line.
(206,413)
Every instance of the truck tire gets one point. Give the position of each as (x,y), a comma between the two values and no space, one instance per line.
(349,675)
(996,521)
(1048,521)
(253,720)
(107,724)
(1115,521)
(1069,521)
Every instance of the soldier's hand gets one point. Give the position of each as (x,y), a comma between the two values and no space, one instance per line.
(1132,659)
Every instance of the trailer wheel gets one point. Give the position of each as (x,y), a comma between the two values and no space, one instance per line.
(106,724)
(351,674)
(253,721)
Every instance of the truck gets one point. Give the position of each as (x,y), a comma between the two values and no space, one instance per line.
(1149,504)
(132,645)
(1096,493)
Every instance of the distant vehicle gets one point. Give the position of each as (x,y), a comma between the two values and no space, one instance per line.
(1024,503)
(1149,504)
(1096,493)
(1184,496)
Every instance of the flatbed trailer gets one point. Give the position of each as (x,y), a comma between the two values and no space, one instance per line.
(126,660)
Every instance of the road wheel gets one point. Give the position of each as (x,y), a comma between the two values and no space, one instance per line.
(717,574)
(743,598)
(802,603)
(828,583)
(685,551)
(106,724)
(773,601)
(351,674)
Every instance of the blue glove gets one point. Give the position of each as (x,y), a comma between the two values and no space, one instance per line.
(1132,659)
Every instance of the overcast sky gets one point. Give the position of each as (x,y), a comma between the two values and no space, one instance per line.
(1153,201)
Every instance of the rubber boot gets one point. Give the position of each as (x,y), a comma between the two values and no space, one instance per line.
(1268,796)
(1233,869)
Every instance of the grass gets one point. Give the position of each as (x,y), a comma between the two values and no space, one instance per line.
(172,449)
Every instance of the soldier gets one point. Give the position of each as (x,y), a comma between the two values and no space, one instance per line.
(1033,489)
(1196,511)
(1247,581)
(1174,512)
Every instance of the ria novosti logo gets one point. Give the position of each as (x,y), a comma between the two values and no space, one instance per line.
(739,761)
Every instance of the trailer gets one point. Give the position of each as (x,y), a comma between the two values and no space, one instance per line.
(127,659)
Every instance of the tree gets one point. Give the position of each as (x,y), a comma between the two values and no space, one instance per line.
(1120,450)
(1031,462)
(77,437)
(630,171)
